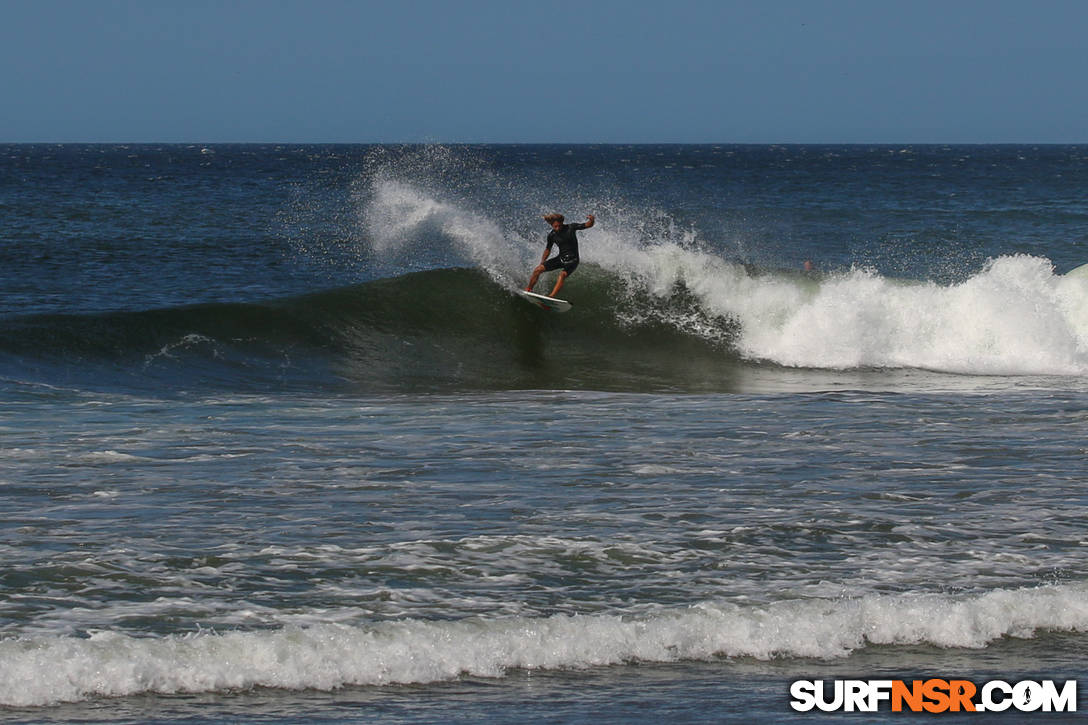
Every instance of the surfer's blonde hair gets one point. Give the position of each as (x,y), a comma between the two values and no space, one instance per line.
(553,218)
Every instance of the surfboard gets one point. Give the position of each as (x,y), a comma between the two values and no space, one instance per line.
(547,303)
(1080,272)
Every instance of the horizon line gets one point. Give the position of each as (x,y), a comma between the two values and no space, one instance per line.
(434,142)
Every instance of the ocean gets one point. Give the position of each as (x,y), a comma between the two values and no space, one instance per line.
(279,444)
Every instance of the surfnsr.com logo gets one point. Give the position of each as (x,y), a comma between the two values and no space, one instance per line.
(933,695)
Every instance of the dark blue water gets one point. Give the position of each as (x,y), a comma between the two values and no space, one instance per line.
(278,443)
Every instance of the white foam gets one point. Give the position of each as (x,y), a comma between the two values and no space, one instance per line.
(1014,317)
(21,453)
(187,341)
(45,670)
(107,457)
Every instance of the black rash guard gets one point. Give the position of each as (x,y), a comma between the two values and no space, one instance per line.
(567,241)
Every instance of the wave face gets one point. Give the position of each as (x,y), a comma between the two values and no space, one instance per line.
(48,670)
(665,318)
(444,329)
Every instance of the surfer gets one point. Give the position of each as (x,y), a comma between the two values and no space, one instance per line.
(563,236)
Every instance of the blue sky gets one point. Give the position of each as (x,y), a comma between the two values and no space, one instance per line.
(765,71)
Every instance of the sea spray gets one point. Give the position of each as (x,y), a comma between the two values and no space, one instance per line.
(402,219)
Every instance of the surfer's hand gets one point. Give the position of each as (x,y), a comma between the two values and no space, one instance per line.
(590,220)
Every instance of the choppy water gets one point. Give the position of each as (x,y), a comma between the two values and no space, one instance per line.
(278,444)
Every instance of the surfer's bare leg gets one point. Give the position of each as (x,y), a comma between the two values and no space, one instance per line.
(536,275)
(559,283)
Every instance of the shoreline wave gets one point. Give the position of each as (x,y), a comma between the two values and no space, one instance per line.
(49,670)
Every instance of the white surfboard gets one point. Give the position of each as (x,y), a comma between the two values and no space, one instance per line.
(1080,272)
(548,303)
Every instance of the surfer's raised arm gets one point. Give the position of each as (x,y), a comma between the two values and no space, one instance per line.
(590,221)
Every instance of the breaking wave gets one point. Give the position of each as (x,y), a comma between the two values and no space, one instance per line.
(50,669)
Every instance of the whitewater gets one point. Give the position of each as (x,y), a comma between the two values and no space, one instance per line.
(331,656)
